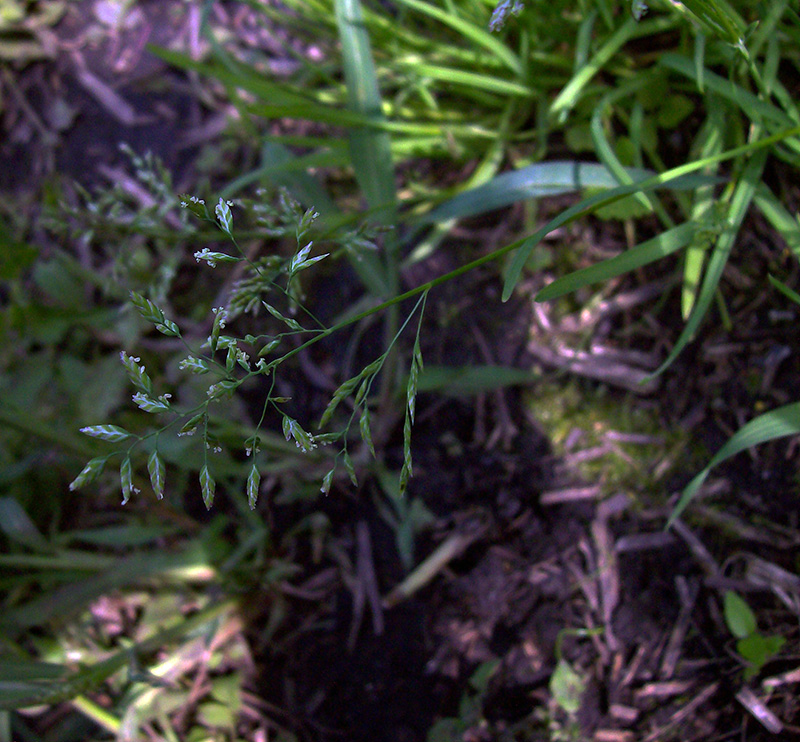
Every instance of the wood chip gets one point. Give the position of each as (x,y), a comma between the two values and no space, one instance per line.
(759,710)
(664,689)
(570,494)
(625,714)
(613,735)
(607,576)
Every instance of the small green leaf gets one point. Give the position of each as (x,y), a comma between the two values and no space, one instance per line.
(110,433)
(89,473)
(155,468)
(207,486)
(567,687)
(253,481)
(758,649)
(740,618)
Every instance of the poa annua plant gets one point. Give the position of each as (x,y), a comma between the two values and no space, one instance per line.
(746,118)
(230,361)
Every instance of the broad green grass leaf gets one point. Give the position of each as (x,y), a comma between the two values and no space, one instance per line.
(775,424)
(534,181)
(654,249)
(370,149)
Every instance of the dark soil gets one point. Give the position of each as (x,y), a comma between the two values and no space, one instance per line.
(548,571)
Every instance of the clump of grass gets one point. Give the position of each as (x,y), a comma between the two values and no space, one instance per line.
(681,110)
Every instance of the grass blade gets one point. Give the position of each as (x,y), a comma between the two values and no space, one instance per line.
(742,196)
(775,424)
(475,35)
(669,179)
(657,248)
(534,181)
(749,103)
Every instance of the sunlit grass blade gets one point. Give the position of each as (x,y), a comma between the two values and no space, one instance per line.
(534,181)
(784,289)
(370,149)
(42,683)
(668,179)
(190,564)
(710,142)
(630,29)
(778,423)
(779,217)
(740,202)
(475,35)
(717,17)
(750,104)
(657,248)
(465,78)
